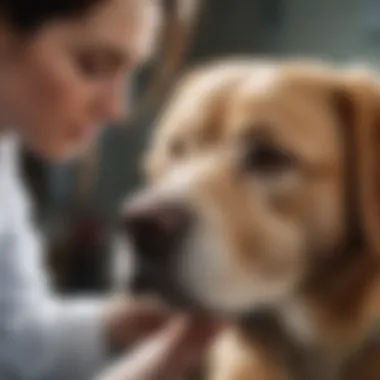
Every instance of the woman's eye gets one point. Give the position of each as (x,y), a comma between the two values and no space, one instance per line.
(267,159)
(95,66)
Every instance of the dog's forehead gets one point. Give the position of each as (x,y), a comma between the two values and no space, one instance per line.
(207,95)
(262,81)
(229,99)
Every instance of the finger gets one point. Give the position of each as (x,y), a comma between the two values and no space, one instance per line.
(131,319)
(151,358)
(142,305)
(200,331)
(186,347)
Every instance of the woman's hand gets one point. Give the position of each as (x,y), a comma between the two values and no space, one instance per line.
(129,320)
(168,353)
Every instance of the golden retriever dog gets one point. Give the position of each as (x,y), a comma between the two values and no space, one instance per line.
(262,205)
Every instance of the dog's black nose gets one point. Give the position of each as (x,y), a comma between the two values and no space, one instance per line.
(156,230)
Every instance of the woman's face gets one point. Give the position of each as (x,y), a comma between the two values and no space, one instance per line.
(62,84)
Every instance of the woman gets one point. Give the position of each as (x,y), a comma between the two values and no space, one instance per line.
(63,71)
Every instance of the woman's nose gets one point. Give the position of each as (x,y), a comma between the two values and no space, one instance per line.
(114,101)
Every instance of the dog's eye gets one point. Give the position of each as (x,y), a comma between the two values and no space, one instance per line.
(177,149)
(267,159)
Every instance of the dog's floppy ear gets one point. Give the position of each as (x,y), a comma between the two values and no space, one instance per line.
(358,99)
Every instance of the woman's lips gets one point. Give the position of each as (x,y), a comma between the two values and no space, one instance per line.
(83,132)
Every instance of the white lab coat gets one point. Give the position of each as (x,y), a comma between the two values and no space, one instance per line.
(42,337)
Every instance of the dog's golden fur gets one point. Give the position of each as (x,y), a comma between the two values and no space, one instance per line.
(307,231)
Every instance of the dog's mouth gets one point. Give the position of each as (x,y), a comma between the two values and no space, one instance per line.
(156,236)
(157,275)
(158,281)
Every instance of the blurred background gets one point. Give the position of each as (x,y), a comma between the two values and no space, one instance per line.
(76,202)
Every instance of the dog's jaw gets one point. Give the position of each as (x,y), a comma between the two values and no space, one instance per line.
(206,273)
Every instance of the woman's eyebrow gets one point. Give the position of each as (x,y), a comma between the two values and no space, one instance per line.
(118,55)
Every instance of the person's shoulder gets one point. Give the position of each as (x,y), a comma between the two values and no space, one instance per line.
(9,154)
(13,197)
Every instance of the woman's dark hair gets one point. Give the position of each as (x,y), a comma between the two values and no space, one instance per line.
(26,16)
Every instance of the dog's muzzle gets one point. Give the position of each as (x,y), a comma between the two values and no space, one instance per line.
(156,231)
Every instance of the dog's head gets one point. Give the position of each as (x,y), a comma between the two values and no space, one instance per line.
(257,173)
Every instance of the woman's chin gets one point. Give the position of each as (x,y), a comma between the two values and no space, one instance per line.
(59,153)
(60,150)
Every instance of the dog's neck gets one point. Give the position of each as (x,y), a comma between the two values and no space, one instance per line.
(342,298)
(300,359)
(324,325)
